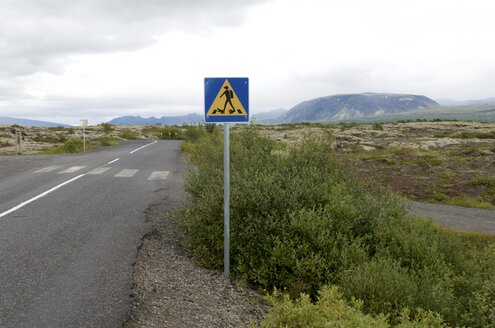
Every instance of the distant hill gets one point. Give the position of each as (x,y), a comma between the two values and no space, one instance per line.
(269,116)
(25,122)
(472,102)
(351,106)
(164,120)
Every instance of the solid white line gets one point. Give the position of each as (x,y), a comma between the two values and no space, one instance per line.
(39,196)
(113,161)
(135,150)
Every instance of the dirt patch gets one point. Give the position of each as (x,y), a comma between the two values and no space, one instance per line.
(171,291)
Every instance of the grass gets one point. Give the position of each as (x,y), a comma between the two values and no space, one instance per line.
(469,202)
(128,134)
(76,145)
(465,134)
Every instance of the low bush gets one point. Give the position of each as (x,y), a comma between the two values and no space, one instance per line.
(300,221)
(74,145)
(128,134)
(107,128)
(331,310)
(105,141)
(4,144)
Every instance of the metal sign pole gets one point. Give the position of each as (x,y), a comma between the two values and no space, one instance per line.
(226,200)
(84,138)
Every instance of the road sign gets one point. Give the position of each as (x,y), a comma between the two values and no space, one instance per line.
(226,99)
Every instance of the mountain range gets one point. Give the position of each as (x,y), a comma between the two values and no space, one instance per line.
(25,122)
(356,107)
(164,120)
(352,106)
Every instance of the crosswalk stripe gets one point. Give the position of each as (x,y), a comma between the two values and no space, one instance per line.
(99,170)
(73,169)
(158,175)
(125,173)
(47,169)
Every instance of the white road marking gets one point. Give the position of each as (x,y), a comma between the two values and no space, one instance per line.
(73,169)
(39,196)
(113,161)
(135,150)
(125,173)
(158,175)
(47,169)
(99,170)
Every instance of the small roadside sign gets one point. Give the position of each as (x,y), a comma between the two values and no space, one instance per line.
(227,99)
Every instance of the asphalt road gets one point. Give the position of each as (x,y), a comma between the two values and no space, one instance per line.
(70,228)
(456,217)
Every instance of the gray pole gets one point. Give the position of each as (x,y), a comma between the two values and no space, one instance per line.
(226,200)
(84,138)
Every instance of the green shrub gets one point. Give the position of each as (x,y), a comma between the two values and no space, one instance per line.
(57,138)
(128,134)
(331,310)
(106,141)
(193,133)
(107,128)
(483,181)
(74,145)
(378,127)
(300,221)
(4,144)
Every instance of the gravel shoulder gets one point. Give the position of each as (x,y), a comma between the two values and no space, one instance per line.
(170,290)
(456,217)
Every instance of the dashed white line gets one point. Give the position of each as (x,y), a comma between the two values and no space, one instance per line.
(39,196)
(113,161)
(151,143)
(125,173)
(73,169)
(158,175)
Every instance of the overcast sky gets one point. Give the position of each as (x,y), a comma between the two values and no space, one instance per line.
(98,59)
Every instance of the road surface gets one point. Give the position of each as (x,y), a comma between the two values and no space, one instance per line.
(456,217)
(70,228)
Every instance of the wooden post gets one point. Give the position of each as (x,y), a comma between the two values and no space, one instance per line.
(18,136)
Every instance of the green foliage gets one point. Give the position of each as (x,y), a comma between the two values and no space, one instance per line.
(57,138)
(74,145)
(105,141)
(4,144)
(56,128)
(378,127)
(300,221)
(194,133)
(483,181)
(465,134)
(331,310)
(128,134)
(107,128)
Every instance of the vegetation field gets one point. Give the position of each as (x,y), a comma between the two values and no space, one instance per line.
(341,249)
(439,162)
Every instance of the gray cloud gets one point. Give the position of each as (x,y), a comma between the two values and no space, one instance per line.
(39,35)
